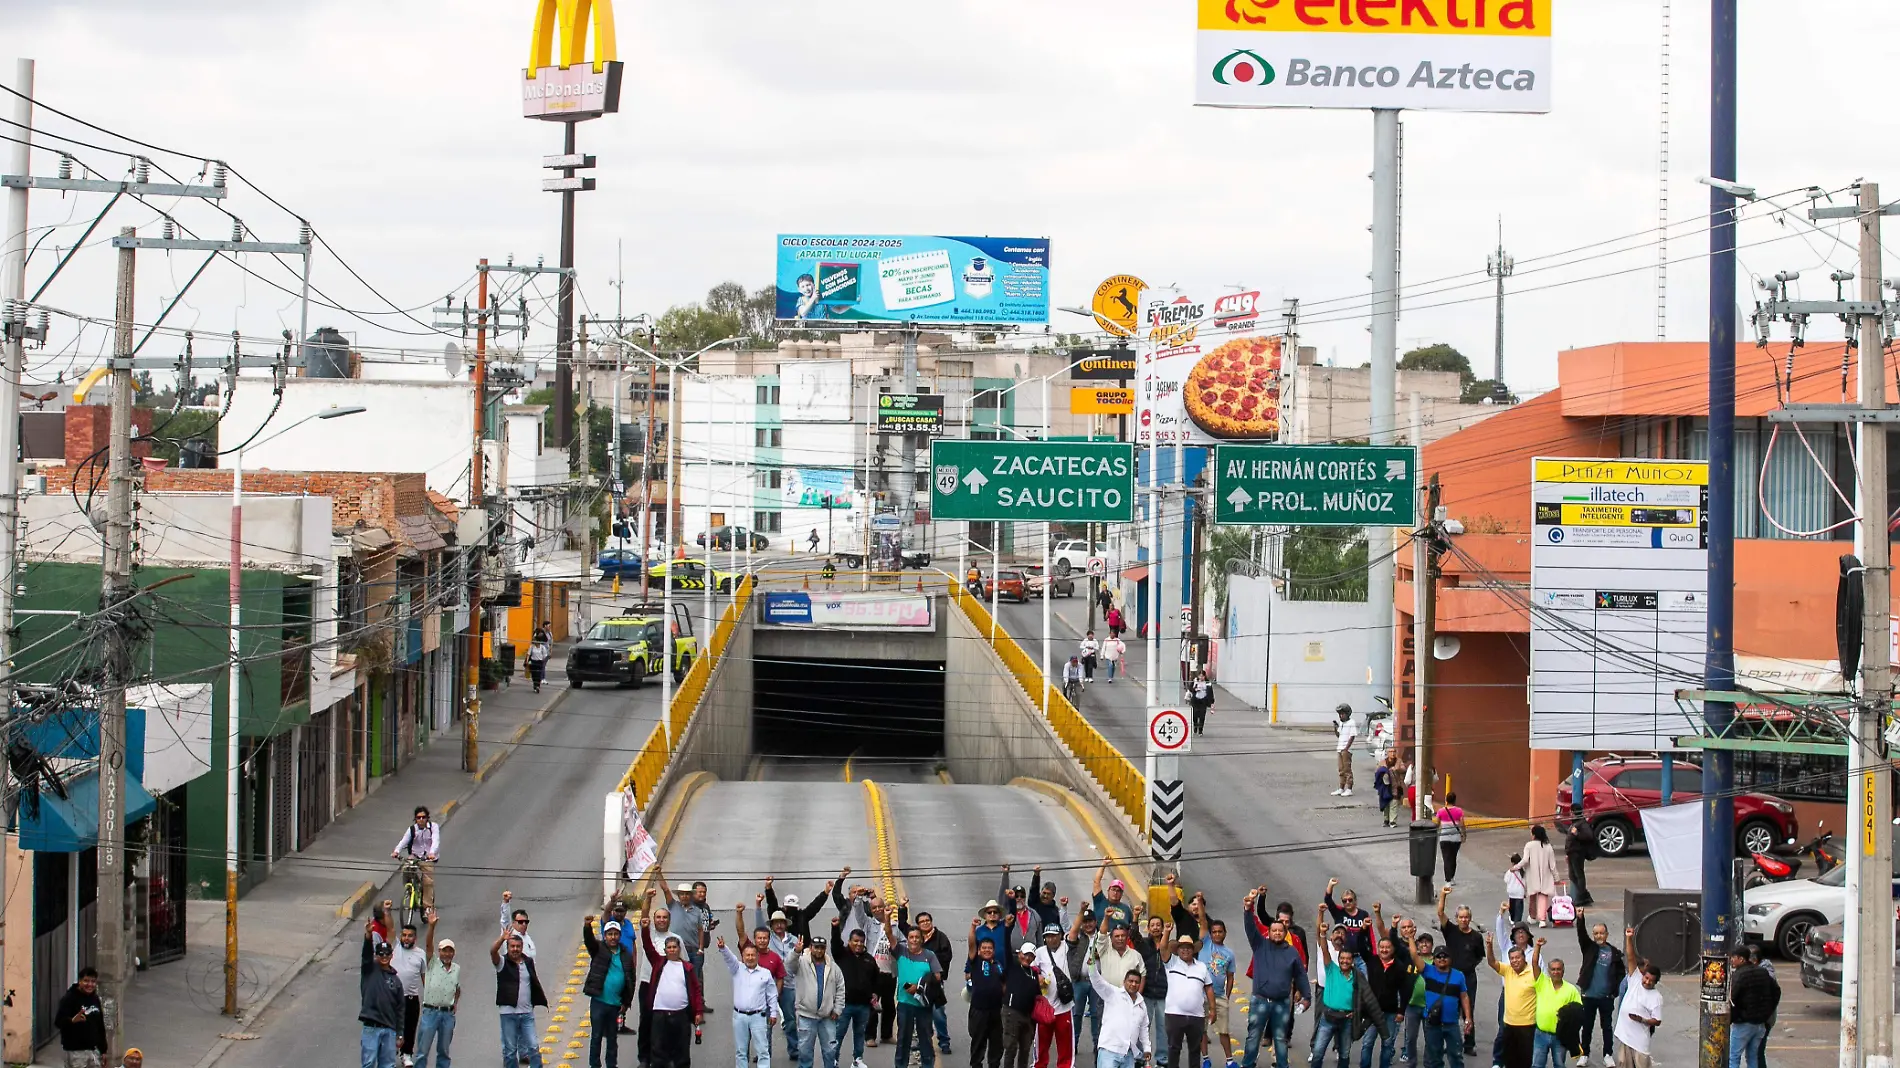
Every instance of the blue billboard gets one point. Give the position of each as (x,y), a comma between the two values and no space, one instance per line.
(871,278)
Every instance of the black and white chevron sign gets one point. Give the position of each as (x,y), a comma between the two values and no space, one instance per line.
(1167,817)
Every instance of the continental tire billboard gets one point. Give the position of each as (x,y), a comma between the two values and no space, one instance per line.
(1416,55)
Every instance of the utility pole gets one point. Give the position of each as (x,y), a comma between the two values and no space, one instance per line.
(646,481)
(13,362)
(1871,780)
(1499,266)
(1718,672)
(1424,633)
(116,589)
(586,469)
(477,486)
(1381,572)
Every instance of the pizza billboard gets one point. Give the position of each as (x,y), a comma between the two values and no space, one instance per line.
(1416,55)
(1209,370)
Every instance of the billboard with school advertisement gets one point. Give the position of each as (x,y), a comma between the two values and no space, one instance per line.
(876,278)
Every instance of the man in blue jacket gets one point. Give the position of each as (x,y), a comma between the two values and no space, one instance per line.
(1279,986)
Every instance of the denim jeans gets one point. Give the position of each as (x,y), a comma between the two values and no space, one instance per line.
(1338,1034)
(857,1020)
(1108,1059)
(940,1017)
(1444,1046)
(1158,1027)
(1272,1018)
(1599,1011)
(821,1035)
(603,1022)
(1386,1035)
(1087,1003)
(751,1035)
(1545,1046)
(518,1041)
(379,1047)
(913,1024)
(1408,1049)
(788,1018)
(1745,1042)
(436,1027)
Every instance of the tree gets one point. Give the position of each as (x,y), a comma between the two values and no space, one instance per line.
(1225,546)
(1325,564)
(1476,392)
(755,313)
(686,328)
(1439,357)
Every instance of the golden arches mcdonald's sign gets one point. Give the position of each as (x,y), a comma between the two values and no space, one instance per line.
(560,83)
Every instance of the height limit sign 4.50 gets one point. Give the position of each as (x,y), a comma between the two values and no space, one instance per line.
(1037,481)
(1316,485)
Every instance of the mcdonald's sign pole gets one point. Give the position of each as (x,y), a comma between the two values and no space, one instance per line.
(561,84)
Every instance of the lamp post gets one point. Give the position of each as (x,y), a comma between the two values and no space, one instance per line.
(233,702)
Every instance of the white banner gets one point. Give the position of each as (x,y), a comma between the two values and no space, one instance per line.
(1674,836)
(639,851)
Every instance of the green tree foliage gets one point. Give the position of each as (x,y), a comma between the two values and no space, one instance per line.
(1325,564)
(1439,357)
(728,311)
(1225,546)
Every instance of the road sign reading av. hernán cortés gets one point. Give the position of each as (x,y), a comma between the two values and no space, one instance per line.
(1038,481)
(1316,485)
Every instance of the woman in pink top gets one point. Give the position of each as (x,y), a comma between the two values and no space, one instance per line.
(1451,834)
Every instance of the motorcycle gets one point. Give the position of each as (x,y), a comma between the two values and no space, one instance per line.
(1770,868)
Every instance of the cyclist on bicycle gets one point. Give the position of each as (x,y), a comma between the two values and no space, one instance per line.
(423,843)
(1072,679)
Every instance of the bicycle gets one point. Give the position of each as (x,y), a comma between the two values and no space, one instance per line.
(1072,690)
(411,902)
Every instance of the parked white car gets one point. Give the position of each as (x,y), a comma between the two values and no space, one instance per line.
(1780,915)
(1074,553)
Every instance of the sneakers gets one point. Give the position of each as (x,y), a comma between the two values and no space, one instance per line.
(1337,791)
(1207,1062)
(1347,792)
(858,1062)
(408,1061)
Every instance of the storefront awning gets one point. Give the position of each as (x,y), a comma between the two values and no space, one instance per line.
(71,824)
(1137,573)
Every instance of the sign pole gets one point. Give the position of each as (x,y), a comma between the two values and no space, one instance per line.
(1048,577)
(1381,573)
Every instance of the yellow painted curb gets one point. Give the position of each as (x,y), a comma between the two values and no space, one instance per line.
(1493,823)
(847,766)
(884,841)
(493,762)
(354,903)
(1086,819)
(442,814)
(521,732)
(944,778)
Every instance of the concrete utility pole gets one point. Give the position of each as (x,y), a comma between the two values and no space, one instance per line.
(116,589)
(1866,1018)
(905,484)
(1424,633)
(12,288)
(1499,266)
(477,486)
(1381,571)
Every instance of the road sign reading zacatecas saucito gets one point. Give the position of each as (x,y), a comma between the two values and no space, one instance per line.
(1038,481)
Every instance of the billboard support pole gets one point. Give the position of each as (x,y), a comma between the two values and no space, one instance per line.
(906,483)
(564,327)
(1718,810)
(1381,572)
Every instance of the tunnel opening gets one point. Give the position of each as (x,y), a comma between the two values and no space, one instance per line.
(834,708)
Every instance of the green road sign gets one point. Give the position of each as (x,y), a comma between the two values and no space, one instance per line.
(1039,481)
(1316,485)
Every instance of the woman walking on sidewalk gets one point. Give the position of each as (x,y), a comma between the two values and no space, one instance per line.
(538,652)
(1451,834)
(1539,868)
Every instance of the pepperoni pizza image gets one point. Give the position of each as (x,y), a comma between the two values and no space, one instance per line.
(1234,391)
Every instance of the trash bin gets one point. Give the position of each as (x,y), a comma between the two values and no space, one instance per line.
(505,651)
(1424,843)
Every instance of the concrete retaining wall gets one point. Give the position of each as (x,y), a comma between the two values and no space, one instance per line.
(719,739)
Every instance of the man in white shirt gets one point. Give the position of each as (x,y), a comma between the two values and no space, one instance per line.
(1125,1037)
(1190,1001)
(1637,1019)
(754,1005)
(1345,731)
(1052,958)
(514,921)
(408,959)
(422,839)
(1116,956)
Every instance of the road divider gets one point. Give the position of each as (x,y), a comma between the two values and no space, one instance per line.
(883,842)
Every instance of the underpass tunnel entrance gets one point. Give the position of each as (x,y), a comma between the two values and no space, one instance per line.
(834,708)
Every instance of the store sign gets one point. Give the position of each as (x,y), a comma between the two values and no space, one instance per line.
(910,413)
(565,85)
(1117,305)
(1104,365)
(1085,401)
(1416,55)
(1038,481)
(1316,485)
(1619,601)
(849,611)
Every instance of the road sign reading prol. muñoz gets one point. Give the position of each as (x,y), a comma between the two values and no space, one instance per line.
(1038,481)
(1316,485)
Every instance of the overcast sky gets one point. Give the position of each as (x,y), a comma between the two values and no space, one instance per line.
(395,128)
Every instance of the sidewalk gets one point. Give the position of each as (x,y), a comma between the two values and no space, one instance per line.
(310,896)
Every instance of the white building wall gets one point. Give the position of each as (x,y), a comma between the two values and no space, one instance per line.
(426,426)
(716,438)
(1316,652)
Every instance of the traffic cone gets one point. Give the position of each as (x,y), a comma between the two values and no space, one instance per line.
(920,584)
(808,582)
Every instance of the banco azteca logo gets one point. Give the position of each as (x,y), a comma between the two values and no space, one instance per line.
(1243,66)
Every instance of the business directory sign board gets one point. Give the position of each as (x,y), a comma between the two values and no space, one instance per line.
(873,278)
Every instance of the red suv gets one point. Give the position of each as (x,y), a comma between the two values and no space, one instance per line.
(1614,789)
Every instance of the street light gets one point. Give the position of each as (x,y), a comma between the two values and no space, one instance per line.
(233,699)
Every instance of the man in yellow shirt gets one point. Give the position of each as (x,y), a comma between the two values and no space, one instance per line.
(1519,1028)
(1552,995)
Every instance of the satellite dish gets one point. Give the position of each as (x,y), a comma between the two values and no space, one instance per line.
(452,359)
(1446,646)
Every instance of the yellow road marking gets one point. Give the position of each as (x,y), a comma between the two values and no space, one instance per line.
(884,841)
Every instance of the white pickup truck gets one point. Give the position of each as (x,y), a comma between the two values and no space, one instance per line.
(1072,555)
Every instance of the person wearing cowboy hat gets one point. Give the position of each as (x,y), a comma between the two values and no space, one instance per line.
(612,975)
(991,927)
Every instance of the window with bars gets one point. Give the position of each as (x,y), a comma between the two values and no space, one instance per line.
(764,437)
(768,522)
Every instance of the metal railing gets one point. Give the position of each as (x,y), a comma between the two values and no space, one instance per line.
(643,775)
(1119,777)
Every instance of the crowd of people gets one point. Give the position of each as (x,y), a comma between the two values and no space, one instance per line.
(1038,979)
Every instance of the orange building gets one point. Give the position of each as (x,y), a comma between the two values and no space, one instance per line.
(1634,400)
